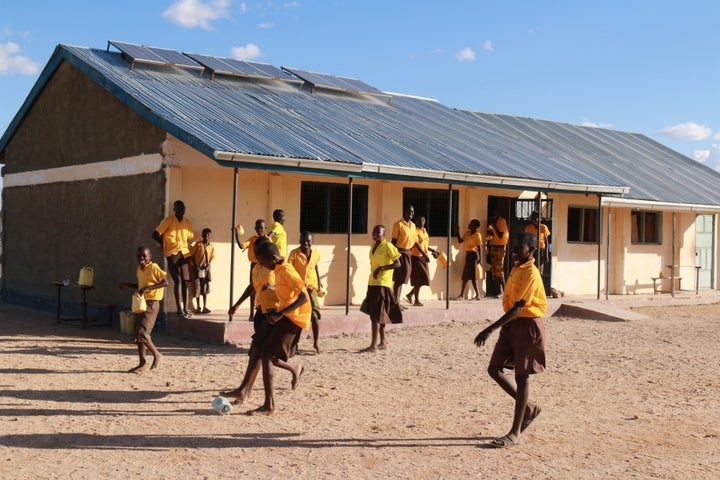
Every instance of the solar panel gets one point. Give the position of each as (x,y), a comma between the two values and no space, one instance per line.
(231,66)
(154,55)
(332,81)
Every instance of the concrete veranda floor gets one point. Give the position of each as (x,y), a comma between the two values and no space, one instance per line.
(338,320)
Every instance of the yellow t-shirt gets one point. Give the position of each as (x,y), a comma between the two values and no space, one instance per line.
(525,283)
(266,299)
(544,233)
(176,235)
(405,234)
(202,254)
(288,286)
(279,238)
(424,240)
(494,236)
(249,245)
(152,274)
(472,240)
(385,254)
(305,266)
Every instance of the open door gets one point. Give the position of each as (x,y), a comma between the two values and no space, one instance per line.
(704,248)
(523,208)
(503,205)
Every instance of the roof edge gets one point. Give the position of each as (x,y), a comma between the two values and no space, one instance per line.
(374,171)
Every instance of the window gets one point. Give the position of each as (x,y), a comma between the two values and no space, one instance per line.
(582,225)
(324,207)
(646,227)
(433,205)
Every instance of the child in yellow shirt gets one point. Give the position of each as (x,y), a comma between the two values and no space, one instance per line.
(521,344)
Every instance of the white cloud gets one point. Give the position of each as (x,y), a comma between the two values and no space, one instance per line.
(701,155)
(243,8)
(246,53)
(710,158)
(292,5)
(466,53)
(716,136)
(687,131)
(488,46)
(267,25)
(194,13)
(586,123)
(11,62)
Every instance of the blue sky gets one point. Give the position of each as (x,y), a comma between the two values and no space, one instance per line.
(648,67)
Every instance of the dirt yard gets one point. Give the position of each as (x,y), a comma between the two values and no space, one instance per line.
(635,399)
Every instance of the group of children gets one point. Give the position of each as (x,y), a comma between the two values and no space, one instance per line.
(282,288)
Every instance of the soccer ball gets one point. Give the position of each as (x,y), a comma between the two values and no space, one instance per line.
(222,405)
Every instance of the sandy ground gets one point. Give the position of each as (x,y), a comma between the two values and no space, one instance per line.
(635,399)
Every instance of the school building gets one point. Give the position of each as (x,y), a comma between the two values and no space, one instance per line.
(109,138)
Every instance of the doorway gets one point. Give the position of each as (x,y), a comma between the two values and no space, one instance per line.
(704,248)
(523,208)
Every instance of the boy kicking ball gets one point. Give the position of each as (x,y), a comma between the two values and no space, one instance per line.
(521,344)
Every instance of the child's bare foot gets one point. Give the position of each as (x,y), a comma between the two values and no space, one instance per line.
(237,394)
(408,297)
(370,349)
(382,346)
(296,378)
(139,369)
(262,410)
(156,361)
(317,349)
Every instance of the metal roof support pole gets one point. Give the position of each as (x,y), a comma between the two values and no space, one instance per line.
(598,227)
(447,247)
(673,272)
(538,209)
(349,244)
(232,235)
(607,255)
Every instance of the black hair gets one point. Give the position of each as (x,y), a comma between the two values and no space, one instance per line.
(528,239)
(266,249)
(278,214)
(206,230)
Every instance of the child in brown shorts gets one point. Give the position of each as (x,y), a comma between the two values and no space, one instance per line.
(521,344)
(151,284)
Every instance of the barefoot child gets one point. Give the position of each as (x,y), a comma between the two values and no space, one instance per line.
(305,260)
(202,254)
(521,344)
(384,258)
(473,245)
(151,283)
(286,323)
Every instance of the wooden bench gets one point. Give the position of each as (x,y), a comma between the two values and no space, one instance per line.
(657,284)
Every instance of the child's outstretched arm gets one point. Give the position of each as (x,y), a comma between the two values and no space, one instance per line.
(246,294)
(507,317)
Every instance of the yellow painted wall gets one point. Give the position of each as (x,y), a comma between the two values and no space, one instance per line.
(206,189)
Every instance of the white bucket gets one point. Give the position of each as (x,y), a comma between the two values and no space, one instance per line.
(86,277)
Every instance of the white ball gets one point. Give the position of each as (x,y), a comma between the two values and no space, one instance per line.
(222,405)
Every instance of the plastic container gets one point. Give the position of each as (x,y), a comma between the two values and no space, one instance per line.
(222,405)
(86,277)
(138,303)
(442,259)
(127,322)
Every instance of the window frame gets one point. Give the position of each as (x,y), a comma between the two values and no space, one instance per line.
(580,228)
(637,235)
(320,216)
(426,200)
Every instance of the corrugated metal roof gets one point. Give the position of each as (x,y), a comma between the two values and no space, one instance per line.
(249,119)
